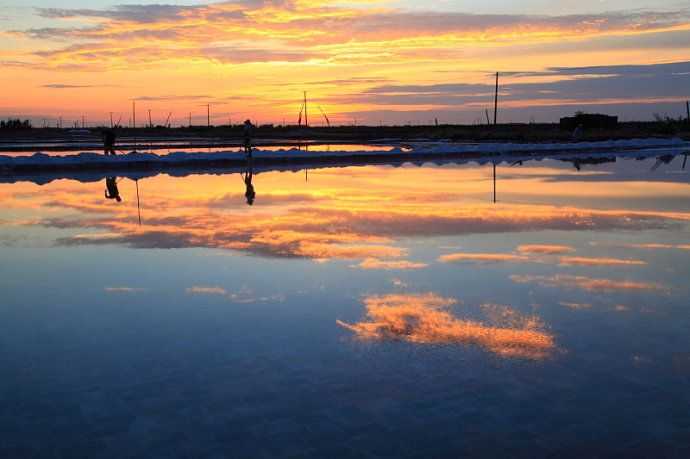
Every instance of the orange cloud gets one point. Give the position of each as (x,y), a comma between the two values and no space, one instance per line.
(243,296)
(202,290)
(425,319)
(294,30)
(585,261)
(543,249)
(587,283)
(482,258)
(653,246)
(375,263)
(262,51)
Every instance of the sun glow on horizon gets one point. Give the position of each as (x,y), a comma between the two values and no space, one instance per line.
(371,61)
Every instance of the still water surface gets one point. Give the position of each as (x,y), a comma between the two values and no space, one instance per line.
(349,312)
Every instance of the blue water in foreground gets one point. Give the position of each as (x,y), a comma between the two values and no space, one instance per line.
(352,312)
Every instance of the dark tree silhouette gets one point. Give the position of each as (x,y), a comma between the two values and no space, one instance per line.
(15,124)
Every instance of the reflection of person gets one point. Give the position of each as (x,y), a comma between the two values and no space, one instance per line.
(109,142)
(248,128)
(250,194)
(111,191)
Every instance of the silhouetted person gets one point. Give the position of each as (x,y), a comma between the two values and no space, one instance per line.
(109,142)
(250,194)
(248,129)
(577,133)
(111,191)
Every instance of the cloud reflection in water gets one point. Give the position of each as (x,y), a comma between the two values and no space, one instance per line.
(588,283)
(426,319)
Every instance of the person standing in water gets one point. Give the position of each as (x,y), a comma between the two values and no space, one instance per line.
(247,129)
(109,142)
(111,191)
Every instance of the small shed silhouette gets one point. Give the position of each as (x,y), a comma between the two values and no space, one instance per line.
(589,121)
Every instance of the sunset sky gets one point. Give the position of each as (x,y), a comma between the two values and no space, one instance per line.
(367,61)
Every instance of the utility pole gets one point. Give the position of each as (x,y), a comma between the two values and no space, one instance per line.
(190,119)
(687,109)
(306,117)
(208,115)
(494,182)
(111,120)
(134,121)
(83,121)
(150,122)
(496,102)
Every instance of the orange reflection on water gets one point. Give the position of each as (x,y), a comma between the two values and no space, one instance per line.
(482,258)
(426,319)
(375,263)
(587,261)
(587,283)
(545,249)
(363,214)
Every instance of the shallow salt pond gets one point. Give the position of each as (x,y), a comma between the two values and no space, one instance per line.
(349,312)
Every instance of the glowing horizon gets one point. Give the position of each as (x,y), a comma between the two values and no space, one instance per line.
(370,61)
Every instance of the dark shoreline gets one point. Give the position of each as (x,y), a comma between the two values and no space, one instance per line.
(231,136)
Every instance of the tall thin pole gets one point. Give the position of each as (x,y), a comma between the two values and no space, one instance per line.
(306,117)
(138,204)
(496,102)
(687,109)
(83,121)
(190,119)
(150,122)
(208,115)
(134,122)
(111,120)
(494,183)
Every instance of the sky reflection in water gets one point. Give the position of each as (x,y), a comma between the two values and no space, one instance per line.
(571,272)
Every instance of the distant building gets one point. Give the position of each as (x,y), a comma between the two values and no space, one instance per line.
(589,121)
